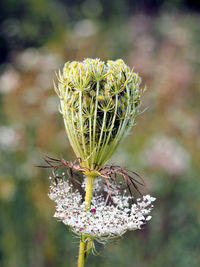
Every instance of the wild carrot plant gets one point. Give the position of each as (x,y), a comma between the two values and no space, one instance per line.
(99,103)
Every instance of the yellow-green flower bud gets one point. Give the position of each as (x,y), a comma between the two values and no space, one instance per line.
(99,102)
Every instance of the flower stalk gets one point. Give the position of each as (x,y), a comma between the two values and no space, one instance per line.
(88,191)
(81,255)
(84,247)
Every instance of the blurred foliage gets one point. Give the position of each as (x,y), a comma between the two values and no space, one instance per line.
(164,146)
(34,22)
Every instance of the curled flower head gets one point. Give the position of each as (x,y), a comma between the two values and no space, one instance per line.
(111,213)
(99,102)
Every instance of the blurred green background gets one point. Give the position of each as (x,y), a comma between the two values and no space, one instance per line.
(161,40)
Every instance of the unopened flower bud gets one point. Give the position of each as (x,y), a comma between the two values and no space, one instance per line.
(105,91)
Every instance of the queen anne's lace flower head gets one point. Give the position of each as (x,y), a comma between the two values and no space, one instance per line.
(99,102)
(111,213)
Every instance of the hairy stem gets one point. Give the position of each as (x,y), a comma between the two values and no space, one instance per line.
(84,247)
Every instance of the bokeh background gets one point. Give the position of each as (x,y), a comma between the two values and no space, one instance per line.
(161,40)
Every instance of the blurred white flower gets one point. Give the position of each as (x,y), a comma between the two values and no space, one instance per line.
(9,138)
(50,62)
(164,152)
(85,28)
(9,80)
(33,59)
(187,123)
(28,60)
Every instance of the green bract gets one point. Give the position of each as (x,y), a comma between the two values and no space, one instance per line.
(99,103)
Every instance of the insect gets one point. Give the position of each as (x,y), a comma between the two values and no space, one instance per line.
(93,210)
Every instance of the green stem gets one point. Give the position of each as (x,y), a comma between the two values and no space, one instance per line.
(81,255)
(83,251)
(88,189)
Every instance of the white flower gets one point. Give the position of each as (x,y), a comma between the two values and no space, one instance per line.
(9,80)
(107,218)
(9,138)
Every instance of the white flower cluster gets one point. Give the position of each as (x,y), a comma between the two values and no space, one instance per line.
(107,218)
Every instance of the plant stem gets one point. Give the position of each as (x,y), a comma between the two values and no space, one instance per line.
(81,255)
(83,243)
(88,189)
